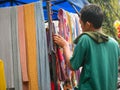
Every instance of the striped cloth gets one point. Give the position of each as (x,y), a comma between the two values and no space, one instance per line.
(23,48)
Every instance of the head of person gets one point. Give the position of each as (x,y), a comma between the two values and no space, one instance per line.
(91,17)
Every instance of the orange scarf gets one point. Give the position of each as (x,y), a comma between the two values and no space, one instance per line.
(30,33)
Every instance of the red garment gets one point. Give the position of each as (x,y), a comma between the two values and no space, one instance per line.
(52,85)
(60,56)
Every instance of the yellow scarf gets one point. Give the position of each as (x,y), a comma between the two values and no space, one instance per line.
(2,76)
(30,33)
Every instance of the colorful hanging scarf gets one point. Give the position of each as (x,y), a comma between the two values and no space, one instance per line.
(30,32)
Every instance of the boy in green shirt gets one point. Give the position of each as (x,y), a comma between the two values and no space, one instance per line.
(97,53)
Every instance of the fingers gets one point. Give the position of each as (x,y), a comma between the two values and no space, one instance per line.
(56,35)
(57,39)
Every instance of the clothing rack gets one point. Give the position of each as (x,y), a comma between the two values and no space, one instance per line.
(51,44)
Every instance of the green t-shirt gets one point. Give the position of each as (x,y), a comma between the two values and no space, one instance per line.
(99,62)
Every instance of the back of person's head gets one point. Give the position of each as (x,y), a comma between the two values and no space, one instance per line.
(93,14)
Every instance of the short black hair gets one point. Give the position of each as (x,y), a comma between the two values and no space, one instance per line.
(93,14)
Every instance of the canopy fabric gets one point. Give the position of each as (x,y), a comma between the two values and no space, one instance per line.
(56,5)
(8,3)
(79,3)
(64,4)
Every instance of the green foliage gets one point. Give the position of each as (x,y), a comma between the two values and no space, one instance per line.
(112,12)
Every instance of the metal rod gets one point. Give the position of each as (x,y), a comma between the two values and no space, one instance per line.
(75,9)
(50,23)
(51,52)
(20,2)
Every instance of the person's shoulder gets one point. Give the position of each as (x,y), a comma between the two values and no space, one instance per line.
(84,39)
(84,36)
(111,39)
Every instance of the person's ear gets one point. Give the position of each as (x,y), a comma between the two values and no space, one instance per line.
(88,24)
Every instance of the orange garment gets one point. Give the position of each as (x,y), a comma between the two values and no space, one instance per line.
(2,76)
(30,33)
(22,47)
(21,34)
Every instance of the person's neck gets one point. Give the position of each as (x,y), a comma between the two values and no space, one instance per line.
(98,30)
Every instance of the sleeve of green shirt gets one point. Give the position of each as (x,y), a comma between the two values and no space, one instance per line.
(79,53)
(119,52)
(119,57)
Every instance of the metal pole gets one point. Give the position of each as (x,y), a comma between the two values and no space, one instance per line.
(50,23)
(51,50)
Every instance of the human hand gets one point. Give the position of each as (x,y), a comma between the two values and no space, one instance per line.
(60,41)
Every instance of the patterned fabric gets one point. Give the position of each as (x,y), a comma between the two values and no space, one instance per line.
(69,28)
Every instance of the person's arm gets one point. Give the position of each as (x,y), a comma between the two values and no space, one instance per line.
(67,55)
(59,40)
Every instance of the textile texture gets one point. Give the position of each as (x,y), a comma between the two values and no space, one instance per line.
(42,53)
(6,45)
(2,76)
(15,49)
(30,33)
